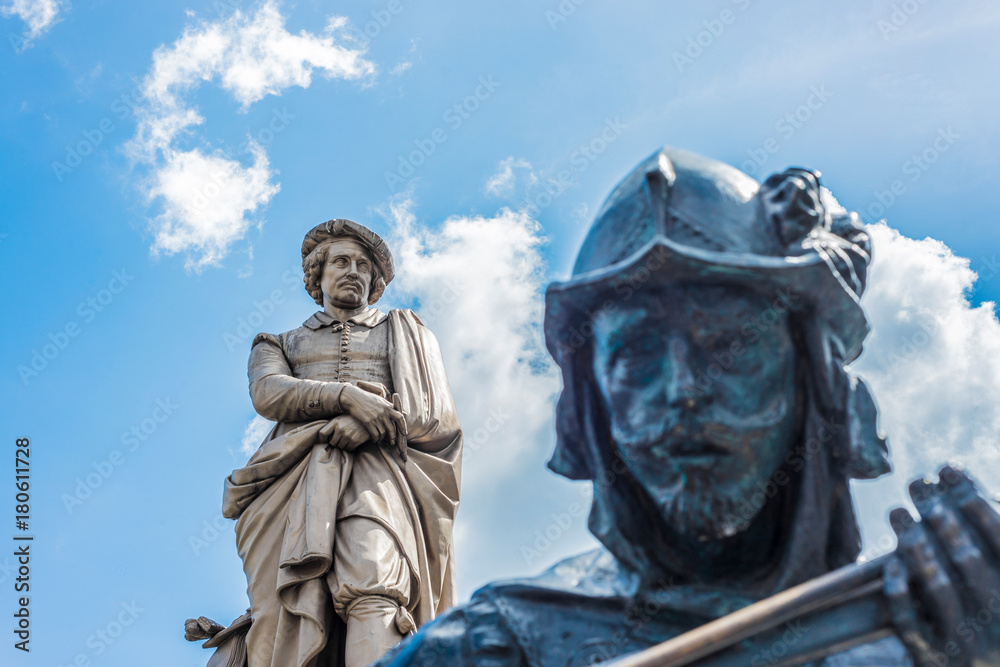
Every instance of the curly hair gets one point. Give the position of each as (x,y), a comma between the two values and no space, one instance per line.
(312,273)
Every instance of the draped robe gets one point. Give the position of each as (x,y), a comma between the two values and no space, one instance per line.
(294,489)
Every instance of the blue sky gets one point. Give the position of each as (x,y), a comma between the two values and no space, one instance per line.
(162,162)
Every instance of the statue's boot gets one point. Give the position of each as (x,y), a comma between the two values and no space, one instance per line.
(374,625)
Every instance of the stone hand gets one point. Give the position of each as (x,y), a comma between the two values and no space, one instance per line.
(197,629)
(344,432)
(943,583)
(379,418)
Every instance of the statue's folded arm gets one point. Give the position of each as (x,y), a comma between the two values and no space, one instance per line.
(279,396)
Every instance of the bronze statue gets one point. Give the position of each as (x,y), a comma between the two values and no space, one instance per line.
(345,512)
(703,339)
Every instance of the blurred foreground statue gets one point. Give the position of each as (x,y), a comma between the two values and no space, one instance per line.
(703,340)
(345,512)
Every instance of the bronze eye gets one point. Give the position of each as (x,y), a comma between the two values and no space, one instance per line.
(636,352)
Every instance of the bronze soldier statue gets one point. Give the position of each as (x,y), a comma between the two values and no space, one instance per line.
(703,339)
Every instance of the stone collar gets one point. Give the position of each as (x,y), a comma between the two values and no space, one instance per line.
(368,318)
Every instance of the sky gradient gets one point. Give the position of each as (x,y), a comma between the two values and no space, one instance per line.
(162,161)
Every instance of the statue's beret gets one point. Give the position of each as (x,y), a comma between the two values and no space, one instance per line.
(341,228)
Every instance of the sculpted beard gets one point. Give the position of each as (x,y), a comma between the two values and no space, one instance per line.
(722,499)
(700,507)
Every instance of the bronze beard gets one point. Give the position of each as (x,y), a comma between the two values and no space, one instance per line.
(663,552)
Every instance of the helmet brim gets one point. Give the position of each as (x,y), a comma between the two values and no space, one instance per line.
(807,281)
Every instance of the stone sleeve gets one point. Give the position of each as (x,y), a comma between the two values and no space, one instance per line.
(278,395)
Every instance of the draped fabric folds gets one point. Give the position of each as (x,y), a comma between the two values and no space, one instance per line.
(294,490)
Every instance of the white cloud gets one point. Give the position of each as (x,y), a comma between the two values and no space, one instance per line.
(479,283)
(206,201)
(250,55)
(401,68)
(38,15)
(501,183)
(254,434)
(933,363)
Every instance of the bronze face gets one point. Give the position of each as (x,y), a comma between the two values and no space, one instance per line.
(699,384)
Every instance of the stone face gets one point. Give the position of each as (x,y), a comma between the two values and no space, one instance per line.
(703,339)
(345,511)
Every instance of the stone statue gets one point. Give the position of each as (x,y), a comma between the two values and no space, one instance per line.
(345,512)
(703,339)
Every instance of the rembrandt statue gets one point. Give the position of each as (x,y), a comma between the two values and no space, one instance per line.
(345,512)
(703,339)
